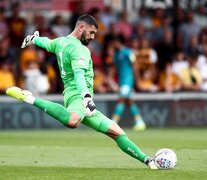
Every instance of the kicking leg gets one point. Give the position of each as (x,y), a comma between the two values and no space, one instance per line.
(55,110)
(101,123)
(124,143)
(128,146)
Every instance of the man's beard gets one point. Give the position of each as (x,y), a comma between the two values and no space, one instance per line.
(83,39)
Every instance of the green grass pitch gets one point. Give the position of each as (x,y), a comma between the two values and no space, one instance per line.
(86,154)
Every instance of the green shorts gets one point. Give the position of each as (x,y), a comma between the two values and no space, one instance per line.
(74,104)
(98,121)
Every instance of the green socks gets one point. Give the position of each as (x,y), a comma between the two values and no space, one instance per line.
(130,148)
(55,110)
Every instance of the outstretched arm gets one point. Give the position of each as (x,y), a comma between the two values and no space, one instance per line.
(43,42)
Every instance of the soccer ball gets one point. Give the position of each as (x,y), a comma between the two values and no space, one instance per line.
(165,159)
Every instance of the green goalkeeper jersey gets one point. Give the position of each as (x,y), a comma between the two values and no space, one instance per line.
(71,55)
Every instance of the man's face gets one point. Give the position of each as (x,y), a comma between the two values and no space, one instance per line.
(88,34)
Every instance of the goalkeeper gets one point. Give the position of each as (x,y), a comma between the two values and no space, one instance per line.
(75,64)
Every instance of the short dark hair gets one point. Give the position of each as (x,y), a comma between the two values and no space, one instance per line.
(90,20)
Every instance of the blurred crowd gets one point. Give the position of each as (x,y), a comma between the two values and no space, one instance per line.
(170,49)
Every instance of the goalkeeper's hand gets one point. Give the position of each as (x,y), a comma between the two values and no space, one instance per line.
(29,39)
(89,105)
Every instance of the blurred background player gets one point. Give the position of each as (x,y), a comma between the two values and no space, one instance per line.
(124,59)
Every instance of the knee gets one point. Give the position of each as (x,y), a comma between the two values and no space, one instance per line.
(74,121)
(115,131)
(73,125)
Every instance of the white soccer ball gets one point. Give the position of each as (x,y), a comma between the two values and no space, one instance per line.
(165,159)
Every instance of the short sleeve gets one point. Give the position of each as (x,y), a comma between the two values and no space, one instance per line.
(80,57)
